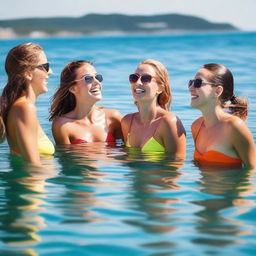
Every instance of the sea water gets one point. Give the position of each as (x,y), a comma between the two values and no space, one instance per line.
(99,200)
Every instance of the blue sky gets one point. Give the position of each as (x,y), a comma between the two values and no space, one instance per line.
(240,13)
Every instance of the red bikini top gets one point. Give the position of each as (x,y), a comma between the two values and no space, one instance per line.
(110,139)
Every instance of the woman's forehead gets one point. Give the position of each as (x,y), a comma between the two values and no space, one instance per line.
(145,68)
(204,73)
(86,69)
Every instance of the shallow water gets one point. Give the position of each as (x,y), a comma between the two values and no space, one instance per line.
(102,200)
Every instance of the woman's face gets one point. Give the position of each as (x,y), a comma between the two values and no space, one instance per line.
(88,84)
(201,90)
(39,76)
(144,83)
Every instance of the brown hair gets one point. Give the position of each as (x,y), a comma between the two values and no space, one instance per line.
(222,76)
(164,98)
(20,59)
(63,100)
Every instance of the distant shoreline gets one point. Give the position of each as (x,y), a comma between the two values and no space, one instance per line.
(10,34)
(109,25)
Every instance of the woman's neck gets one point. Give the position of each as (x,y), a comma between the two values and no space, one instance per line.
(147,112)
(84,111)
(30,95)
(212,115)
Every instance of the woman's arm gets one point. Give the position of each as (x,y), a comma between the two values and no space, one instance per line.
(114,122)
(242,140)
(125,124)
(174,136)
(59,132)
(26,132)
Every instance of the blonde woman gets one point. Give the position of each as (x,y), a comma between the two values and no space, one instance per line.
(153,128)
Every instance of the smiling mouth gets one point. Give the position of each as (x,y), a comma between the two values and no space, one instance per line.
(96,90)
(194,97)
(139,90)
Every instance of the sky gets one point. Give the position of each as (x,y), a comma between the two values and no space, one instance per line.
(240,13)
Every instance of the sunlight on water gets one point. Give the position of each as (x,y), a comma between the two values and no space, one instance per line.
(93,199)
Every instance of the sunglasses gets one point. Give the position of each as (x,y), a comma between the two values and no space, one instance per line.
(45,67)
(197,83)
(133,78)
(89,79)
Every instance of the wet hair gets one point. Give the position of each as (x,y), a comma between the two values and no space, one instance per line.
(63,101)
(220,75)
(20,60)
(164,98)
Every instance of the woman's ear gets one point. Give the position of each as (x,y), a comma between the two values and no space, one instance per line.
(73,89)
(160,89)
(218,90)
(28,75)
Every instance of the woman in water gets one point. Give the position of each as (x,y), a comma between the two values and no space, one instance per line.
(28,71)
(76,118)
(153,128)
(221,137)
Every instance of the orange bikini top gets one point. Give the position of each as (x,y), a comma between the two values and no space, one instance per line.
(213,157)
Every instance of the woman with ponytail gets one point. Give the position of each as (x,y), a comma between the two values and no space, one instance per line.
(220,135)
(28,71)
(153,128)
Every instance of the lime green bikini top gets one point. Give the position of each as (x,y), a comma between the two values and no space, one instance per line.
(45,146)
(152,145)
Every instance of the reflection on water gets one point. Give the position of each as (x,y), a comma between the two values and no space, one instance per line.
(104,196)
(151,190)
(226,190)
(81,177)
(22,203)
(148,190)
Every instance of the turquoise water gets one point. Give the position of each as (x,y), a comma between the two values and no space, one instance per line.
(98,200)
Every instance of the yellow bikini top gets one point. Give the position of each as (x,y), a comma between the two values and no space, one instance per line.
(45,146)
(152,145)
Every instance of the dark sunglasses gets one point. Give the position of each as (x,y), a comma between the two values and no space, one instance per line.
(197,83)
(45,67)
(133,78)
(89,79)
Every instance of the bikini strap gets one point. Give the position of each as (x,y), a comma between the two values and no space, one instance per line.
(131,122)
(198,131)
(156,128)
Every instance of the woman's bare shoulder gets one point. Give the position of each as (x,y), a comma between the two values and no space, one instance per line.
(59,121)
(128,117)
(113,113)
(23,110)
(235,124)
(197,123)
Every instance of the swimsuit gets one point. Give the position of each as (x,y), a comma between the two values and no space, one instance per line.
(110,139)
(152,145)
(214,157)
(45,147)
